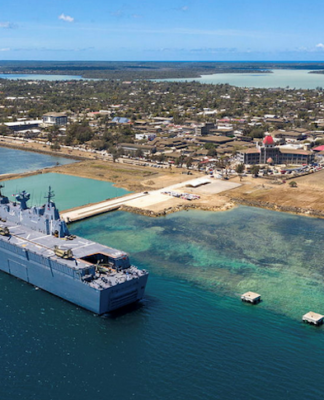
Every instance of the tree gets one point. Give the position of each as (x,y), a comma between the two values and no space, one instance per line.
(257,133)
(161,157)
(32,113)
(189,162)
(209,146)
(139,153)
(114,155)
(240,168)
(4,130)
(293,184)
(255,170)
(78,133)
(55,146)
(212,152)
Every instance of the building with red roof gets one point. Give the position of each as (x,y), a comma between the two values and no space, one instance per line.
(268,141)
(268,153)
(319,148)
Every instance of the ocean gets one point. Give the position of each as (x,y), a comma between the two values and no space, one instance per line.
(191,337)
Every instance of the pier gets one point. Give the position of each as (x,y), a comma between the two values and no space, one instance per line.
(91,210)
(313,318)
(251,297)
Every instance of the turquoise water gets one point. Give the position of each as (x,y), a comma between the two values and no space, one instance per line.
(299,79)
(70,191)
(275,254)
(191,338)
(16,161)
(40,77)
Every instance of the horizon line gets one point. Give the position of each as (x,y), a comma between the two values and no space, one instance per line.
(174,61)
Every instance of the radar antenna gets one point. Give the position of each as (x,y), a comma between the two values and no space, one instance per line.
(50,195)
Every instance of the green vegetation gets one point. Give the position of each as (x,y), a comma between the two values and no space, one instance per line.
(255,170)
(240,168)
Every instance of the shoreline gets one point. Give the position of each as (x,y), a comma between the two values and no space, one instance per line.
(303,212)
(22,146)
(137,179)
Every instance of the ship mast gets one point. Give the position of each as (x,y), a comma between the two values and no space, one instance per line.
(50,195)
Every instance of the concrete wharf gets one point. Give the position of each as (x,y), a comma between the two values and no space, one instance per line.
(91,210)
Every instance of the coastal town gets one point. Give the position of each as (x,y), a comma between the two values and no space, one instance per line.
(229,135)
(161,200)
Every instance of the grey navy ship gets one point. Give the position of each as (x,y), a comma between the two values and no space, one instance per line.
(37,247)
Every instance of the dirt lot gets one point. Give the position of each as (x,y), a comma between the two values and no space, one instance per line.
(129,177)
(309,193)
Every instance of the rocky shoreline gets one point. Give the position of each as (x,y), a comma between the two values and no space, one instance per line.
(171,210)
(306,212)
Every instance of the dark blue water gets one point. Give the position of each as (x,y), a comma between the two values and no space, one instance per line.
(15,161)
(191,338)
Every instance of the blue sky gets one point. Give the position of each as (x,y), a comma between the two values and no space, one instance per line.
(155,30)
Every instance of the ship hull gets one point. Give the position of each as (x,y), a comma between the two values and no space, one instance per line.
(51,276)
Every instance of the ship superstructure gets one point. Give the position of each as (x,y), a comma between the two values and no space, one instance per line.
(37,247)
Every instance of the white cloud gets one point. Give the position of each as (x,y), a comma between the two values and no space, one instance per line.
(5,25)
(66,18)
(184,8)
(320,46)
(5,49)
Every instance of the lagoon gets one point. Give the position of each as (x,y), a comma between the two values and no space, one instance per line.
(298,79)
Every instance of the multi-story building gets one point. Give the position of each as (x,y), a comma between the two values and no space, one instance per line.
(54,118)
(269,153)
(23,125)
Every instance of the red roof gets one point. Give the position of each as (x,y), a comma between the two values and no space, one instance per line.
(268,140)
(319,148)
